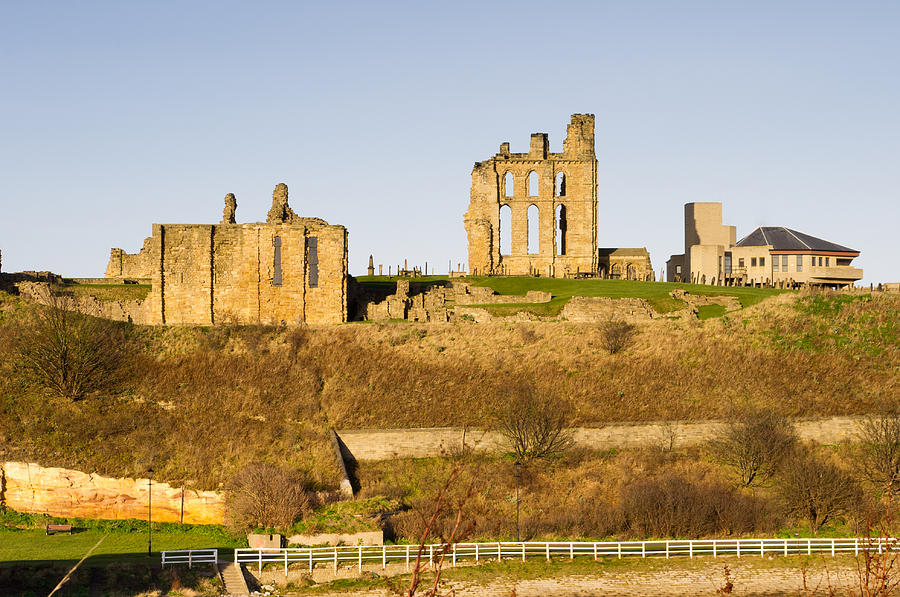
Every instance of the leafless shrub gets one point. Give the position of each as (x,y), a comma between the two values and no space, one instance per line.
(879,451)
(66,351)
(754,442)
(442,518)
(670,505)
(262,495)
(535,424)
(816,489)
(527,334)
(878,564)
(616,335)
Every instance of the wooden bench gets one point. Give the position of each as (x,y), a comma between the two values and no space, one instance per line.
(58,528)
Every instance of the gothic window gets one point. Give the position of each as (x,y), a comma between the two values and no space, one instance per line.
(560,184)
(505,232)
(534,230)
(561,225)
(532,184)
(508,185)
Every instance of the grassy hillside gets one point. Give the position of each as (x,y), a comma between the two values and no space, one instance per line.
(657,293)
(200,402)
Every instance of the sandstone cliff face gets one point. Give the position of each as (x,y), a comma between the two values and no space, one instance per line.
(27,487)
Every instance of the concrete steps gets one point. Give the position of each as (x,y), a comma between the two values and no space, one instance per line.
(233,577)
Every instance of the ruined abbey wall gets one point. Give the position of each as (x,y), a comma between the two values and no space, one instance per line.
(567,237)
(286,270)
(125,265)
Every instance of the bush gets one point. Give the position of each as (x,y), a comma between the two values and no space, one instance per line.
(671,505)
(617,335)
(879,450)
(816,489)
(753,443)
(67,352)
(265,496)
(535,425)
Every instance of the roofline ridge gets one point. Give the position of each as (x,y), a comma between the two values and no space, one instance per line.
(791,232)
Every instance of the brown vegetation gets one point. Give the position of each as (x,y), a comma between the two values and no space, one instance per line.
(265,496)
(816,489)
(202,402)
(754,442)
(535,425)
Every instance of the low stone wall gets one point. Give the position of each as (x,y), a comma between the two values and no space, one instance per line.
(28,487)
(385,444)
(361,538)
(132,311)
(584,309)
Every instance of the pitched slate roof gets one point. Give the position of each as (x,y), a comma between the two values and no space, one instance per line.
(785,239)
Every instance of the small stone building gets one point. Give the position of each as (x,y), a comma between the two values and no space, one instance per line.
(289,269)
(625,264)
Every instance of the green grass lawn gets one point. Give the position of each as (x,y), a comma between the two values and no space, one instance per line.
(34,545)
(656,293)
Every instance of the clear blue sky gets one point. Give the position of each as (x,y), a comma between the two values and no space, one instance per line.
(118,115)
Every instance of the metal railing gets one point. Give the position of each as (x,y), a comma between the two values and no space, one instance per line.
(190,557)
(476,552)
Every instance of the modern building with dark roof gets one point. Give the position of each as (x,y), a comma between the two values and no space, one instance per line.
(768,256)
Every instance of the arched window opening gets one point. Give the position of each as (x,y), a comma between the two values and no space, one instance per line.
(532,184)
(615,271)
(534,233)
(560,184)
(561,230)
(631,274)
(508,185)
(505,229)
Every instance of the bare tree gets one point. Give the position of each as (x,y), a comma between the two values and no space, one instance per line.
(879,450)
(66,351)
(535,424)
(616,335)
(816,489)
(754,442)
(267,496)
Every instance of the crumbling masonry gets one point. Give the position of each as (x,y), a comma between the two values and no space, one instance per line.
(288,270)
(559,190)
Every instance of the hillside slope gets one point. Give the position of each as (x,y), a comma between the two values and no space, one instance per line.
(199,402)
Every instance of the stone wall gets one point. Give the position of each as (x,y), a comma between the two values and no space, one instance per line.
(565,199)
(133,311)
(125,265)
(63,492)
(384,444)
(287,270)
(597,309)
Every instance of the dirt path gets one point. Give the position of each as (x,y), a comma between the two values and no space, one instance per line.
(702,579)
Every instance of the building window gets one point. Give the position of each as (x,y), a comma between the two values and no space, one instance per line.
(532,184)
(727,263)
(820,262)
(678,270)
(775,263)
(753,262)
(508,184)
(799,263)
(826,261)
(276,262)
(762,262)
(784,263)
(312,258)
(741,262)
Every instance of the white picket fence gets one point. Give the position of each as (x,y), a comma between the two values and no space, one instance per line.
(190,557)
(334,557)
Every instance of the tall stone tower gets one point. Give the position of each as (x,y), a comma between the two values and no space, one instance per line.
(551,196)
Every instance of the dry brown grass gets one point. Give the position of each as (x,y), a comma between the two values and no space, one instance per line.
(199,403)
